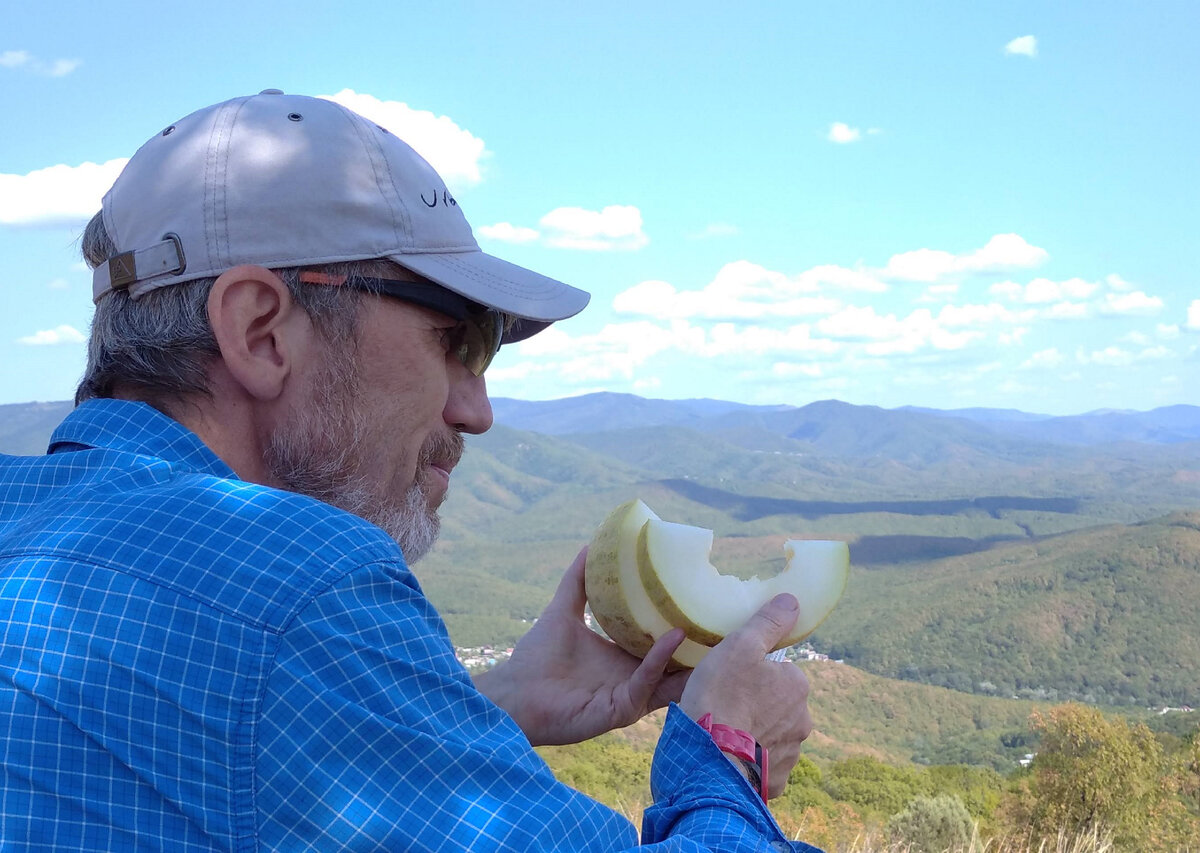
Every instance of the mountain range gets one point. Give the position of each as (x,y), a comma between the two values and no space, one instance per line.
(995,552)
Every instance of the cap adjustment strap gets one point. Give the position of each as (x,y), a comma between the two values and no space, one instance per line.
(127,268)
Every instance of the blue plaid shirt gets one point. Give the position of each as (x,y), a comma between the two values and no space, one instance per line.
(193,662)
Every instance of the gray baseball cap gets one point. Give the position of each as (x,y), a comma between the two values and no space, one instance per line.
(285,181)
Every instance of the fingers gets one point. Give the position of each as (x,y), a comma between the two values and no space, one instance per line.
(649,674)
(766,628)
(571,595)
(786,750)
(742,689)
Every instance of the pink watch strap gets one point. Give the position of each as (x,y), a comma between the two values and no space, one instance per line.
(741,745)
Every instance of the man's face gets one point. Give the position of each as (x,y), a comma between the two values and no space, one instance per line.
(379,430)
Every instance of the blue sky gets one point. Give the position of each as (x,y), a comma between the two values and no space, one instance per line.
(938,204)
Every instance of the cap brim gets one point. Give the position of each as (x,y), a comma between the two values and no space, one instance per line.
(533,299)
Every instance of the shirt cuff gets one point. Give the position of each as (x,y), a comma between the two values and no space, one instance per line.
(700,794)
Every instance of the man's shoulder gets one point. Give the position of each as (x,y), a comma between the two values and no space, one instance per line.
(255,552)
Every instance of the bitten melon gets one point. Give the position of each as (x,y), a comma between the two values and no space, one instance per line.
(645,576)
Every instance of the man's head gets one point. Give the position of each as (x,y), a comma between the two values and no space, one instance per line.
(303,283)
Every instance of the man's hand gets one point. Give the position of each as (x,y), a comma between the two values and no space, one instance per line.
(565,683)
(740,688)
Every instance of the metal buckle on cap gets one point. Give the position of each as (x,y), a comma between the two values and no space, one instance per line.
(165,258)
(122,271)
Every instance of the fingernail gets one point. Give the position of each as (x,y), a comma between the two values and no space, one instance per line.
(788,600)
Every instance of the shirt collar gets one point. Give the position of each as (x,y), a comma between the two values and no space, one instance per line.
(131,427)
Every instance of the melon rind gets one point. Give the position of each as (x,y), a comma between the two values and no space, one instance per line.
(615,593)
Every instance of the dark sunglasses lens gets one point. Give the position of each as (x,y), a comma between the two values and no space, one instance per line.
(480,341)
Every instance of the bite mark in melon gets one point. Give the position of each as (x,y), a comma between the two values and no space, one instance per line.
(645,576)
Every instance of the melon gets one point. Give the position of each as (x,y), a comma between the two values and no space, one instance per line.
(645,576)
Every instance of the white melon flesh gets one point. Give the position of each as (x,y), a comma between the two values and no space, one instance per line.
(675,568)
(645,576)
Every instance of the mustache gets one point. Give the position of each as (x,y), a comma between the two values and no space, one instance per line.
(444,449)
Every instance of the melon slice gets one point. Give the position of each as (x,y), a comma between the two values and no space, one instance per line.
(645,576)
(614,588)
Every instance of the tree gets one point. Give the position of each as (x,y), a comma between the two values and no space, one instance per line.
(980,789)
(1092,772)
(872,785)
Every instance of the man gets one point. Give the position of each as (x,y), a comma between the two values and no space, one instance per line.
(209,635)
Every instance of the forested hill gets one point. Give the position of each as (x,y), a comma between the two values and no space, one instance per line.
(1109,616)
(982,559)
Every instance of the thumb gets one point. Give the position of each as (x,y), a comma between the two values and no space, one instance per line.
(763,631)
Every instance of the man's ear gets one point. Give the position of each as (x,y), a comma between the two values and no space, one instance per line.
(260,331)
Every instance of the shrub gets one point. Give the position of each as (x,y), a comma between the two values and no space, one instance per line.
(931,825)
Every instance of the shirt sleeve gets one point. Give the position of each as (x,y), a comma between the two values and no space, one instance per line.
(371,736)
(701,802)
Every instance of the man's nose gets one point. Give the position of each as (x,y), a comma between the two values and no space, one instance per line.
(468,408)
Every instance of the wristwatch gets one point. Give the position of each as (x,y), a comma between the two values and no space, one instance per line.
(740,745)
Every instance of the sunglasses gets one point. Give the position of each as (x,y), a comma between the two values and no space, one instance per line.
(474,340)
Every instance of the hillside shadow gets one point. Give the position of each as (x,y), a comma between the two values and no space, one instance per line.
(893,549)
(752,507)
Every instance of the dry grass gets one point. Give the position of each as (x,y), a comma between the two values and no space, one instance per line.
(1094,841)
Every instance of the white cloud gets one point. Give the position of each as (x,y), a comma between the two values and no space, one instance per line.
(1022,46)
(1040,291)
(1068,311)
(888,335)
(739,323)
(508,233)
(455,153)
(1135,302)
(1002,251)
(1067,299)
(842,278)
(729,339)
(1193,316)
(58,284)
(552,341)
(65,194)
(740,290)
(619,350)
(1107,357)
(514,372)
(56,195)
(15,58)
(63,67)
(842,133)
(1117,357)
(1005,251)
(1167,331)
(50,337)
(1014,336)
(615,227)
(977,315)
(1044,359)
(25,60)
(939,292)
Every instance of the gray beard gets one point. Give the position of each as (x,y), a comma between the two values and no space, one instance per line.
(319,454)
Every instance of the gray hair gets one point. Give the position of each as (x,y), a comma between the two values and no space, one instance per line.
(160,346)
